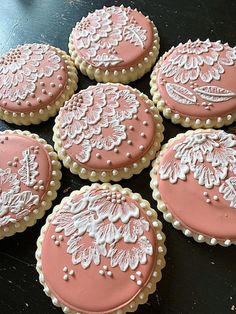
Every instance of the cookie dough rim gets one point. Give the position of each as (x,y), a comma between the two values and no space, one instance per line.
(125,75)
(161,206)
(178,118)
(49,196)
(43,114)
(113,174)
(150,287)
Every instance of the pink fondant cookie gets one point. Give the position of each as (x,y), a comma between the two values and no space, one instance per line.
(35,81)
(194,183)
(101,251)
(194,84)
(114,44)
(29,179)
(108,132)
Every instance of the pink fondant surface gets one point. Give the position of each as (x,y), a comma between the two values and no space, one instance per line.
(187,203)
(118,158)
(130,53)
(88,291)
(179,66)
(45,90)
(11,148)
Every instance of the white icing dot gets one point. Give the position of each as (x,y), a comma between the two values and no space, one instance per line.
(65,269)
(215,197)
(139,282)
(72,272)
(53,237)
(208,200)
(57,243)
(141,147)
(132,277)
(131,127)
(129,142)
(105,267)
(109,162)
(61,237)
(143,134)
(101,272)
(65,277)
(128,155)
(205,193)
(98,155)
(145,123)
(138,273)
(116,150)
(109,273)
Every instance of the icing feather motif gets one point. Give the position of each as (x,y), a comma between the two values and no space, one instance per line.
(28,171)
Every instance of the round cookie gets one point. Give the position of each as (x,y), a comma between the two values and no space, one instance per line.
(29,179)
(193,84)
(35,81)
(101,243)
(107,132)
(114,44)
(193,181)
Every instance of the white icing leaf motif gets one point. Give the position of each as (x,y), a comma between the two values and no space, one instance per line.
(228,191)
(85,254)
(106,60)
(214,93)
(131,258)
(135,34)
(208,177)
(133,229)
(173,170)
(105,233)
(28,171)
(180,94)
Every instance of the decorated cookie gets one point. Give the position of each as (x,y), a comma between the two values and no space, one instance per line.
(35,81)
(101,243)
(114,44)
(194,84)
(29,179)
(194,182)
(108,132)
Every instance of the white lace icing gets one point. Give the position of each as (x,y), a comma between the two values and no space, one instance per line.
(101,32)
(94,215)
(210,157)
(14,204)
(88,114)
(186,64)
(23,66)
(28,171)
